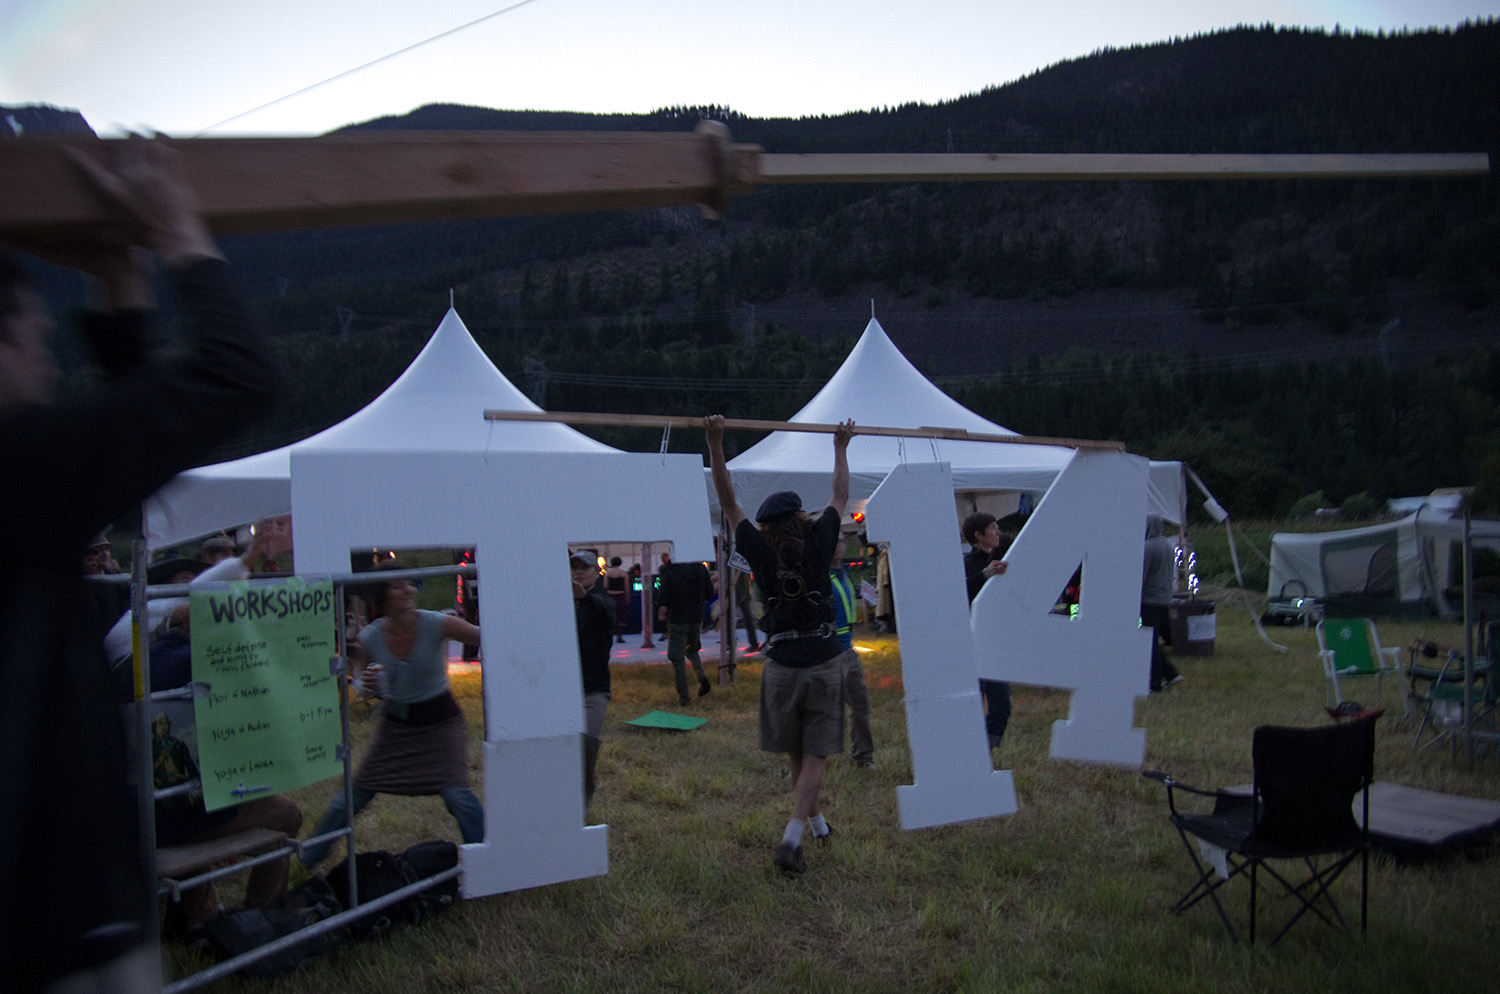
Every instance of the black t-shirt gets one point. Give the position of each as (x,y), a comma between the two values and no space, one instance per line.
(812,606)
(594,616)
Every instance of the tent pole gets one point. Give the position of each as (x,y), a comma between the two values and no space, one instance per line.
(728,641)
(1468,553)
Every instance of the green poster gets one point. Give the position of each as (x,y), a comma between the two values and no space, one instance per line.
(268,719)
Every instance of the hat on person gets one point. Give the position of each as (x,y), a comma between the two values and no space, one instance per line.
(778,505)
(583,558)
(100,539)
(218,543)
(163,570)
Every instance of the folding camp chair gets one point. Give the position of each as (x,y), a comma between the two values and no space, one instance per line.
(1351,648)
(1300,808)
(1435,691)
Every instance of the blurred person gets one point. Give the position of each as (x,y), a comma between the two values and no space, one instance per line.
(180,571)
(79,921)
(617,586)
(744,594)
(856,691)
(421,740)
(594,620)
(103,601)
(1158,575)
(801,698)
(684,592)
(987,544)
(216,548)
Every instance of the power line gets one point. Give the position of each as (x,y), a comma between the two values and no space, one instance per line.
(361,68)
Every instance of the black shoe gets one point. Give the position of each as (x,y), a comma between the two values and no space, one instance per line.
(789,859)
(682,702)
(704,687)
(825,838)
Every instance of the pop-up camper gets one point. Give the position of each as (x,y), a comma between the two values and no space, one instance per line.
(1411,566)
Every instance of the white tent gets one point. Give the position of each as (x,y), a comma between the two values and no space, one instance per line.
(436,405)
(876,385)
(1411,565)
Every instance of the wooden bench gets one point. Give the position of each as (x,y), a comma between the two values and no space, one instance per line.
(175,862)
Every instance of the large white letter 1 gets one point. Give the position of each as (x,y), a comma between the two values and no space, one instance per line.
(913,511)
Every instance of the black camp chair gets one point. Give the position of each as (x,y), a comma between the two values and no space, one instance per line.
(1299,809)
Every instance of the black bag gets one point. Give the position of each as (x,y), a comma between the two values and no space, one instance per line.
(379,873)
(240,931)
(426,859)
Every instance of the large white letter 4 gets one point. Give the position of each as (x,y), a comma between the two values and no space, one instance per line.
(1094,514)
(913,511)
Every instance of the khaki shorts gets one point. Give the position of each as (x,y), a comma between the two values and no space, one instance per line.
(802,710)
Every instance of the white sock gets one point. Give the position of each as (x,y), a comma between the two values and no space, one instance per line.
(793,833)
(819,825)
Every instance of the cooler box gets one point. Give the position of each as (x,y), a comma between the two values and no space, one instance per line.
(1193,626)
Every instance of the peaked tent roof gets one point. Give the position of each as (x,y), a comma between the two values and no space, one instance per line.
(437,404)
(877,385)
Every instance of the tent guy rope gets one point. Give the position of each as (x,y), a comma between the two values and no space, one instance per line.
(752,424)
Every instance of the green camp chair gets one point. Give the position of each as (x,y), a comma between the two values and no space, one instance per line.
(1351,648)
(1437,695)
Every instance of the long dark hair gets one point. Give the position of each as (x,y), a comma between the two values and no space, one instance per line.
(788,536)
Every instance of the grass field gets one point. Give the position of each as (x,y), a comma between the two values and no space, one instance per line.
(1070,893)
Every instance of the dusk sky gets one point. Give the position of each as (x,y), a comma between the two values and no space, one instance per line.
(186,68)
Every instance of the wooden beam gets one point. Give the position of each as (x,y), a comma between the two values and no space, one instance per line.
(266,184)
(751,424)
(964,167)
(381,177)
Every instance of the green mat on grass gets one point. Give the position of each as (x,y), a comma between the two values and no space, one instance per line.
(668,720)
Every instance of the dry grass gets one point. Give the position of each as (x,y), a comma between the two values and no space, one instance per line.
(1070,893)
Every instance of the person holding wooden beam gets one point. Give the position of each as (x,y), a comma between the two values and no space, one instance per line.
(801,686)
(77,909)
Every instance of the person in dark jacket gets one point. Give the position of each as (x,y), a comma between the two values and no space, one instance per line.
(74,901)
(987,544)
(594,616)
(685,589)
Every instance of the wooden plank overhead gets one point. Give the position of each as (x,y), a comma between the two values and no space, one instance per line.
(268,184)
(594,419)
(968,167)
(380,177)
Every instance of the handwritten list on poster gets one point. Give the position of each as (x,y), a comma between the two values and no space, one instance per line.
(269,719)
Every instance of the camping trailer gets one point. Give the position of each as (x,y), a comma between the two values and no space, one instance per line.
(1410,566)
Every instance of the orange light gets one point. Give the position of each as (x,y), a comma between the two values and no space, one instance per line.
(859,517)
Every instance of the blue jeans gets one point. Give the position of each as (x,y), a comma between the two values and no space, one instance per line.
(460,801)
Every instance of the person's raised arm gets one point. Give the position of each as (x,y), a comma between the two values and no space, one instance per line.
(841,439)
(459,630)
(713,430)
(147,189)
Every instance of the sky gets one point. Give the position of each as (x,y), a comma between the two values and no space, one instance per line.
(186,67)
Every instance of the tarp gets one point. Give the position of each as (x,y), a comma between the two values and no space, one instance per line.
(877,385)
(436,405)
(1411,565)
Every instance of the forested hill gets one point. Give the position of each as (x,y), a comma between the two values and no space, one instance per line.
(1054,308)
